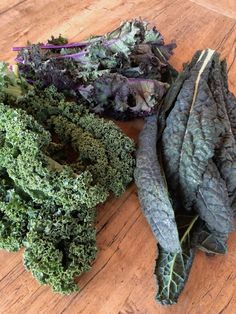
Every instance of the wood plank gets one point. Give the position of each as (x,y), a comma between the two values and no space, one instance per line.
(6,6)
(121,279)
(224,7)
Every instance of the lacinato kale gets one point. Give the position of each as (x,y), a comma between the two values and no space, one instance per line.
(57,163)
(152,189)
(193,147)
(132,55)
(172,269)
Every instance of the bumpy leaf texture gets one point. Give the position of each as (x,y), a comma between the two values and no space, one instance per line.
(152,189)
(99,145)
(211,242)
(197,130)
(189,140)
(226,149)
(132,54)
(172,269)
(174,231)
(196,151)
(57,162)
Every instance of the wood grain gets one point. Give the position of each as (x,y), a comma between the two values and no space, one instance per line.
(6,6)
(121,279)
(225,7)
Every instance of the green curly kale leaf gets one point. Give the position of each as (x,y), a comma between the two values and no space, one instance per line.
(34,172)
(11,84)
(13,216)
(57,163)
(54,212)
(100,145)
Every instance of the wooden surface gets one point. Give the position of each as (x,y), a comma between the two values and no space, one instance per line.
(121,280)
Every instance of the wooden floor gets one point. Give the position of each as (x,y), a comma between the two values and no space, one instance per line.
(121,280)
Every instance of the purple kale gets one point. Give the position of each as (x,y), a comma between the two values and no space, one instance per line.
(131,61)
(124,98)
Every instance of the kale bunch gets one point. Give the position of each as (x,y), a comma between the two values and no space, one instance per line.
(57,163)
(186,170)
(124,73)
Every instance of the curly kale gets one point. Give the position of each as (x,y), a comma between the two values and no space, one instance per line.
(57,163)
(100,146)
(13,213)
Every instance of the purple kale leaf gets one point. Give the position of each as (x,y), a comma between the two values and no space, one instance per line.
(124,98)
(133,50)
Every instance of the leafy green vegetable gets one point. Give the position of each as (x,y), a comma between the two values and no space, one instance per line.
(172,269)
(211,242)
(57,162)
(189,144)
(13,213)
(195,154)
(212,201)
(57,41)
(124,98)
(152,189)
(130,62)
(226,150)
(10,83)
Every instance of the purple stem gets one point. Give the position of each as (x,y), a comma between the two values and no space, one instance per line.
(82,53)
(19,60)
(71,45)
(30,81)
(110,42)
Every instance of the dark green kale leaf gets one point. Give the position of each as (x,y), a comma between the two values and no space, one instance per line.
(212,201)
(172,269)
(153,191)
(189,141)
(210,242)
(230,99)
(226,150)
(196,151)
